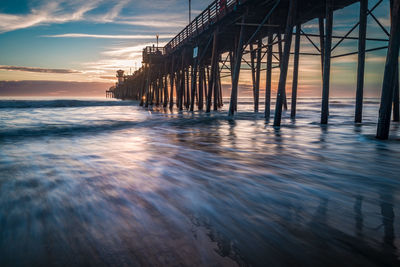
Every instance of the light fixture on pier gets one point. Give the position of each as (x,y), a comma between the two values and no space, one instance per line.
(157,40)
(190,11)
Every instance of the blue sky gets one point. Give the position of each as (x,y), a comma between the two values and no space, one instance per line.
(86,41)
(93,37)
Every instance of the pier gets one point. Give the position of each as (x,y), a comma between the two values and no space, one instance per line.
(187,71)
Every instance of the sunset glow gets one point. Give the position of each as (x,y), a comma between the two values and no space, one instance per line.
(74,41)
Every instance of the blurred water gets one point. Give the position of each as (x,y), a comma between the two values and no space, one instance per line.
(94,182)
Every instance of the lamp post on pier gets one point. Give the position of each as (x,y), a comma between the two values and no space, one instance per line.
(190,11)
(157,40)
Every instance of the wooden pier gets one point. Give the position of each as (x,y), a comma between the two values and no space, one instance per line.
(187,72)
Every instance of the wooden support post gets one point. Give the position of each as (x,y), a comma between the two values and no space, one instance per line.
(327,62)
(151,98)
(201,87)
(206,82)
(255,58)
(220,100)
(147,87)
(295,72)
(285,62)
(152,93)
(389,76)
(143,84)
(171,88)
(231,63)
(182,89)
(187,88)
(236,70)
(171,81)
(280,60)
(258,74)
(216,84)
(162,86)
(157,90)
(253,73)
(193,83)
(279,36)
(180,84)
(267,110)
(361,59)
(165,89)
(148,96)
(396,107)
(143,89)
(214,61)
(196,93)
(322,42)
(177,87)
(160,90)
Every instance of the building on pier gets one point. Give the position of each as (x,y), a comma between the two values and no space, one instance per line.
(121,77)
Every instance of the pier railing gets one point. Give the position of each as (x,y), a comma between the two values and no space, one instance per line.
(213,13)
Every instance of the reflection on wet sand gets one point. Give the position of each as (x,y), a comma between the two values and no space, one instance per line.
(176,188)
(319,226)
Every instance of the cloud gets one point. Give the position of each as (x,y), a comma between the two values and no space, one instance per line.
(119,57)
(41,70)
(51,12)
(132,52)
(155,20)
(58,12)
(63,11)
(108,77)
(113,13)
(108,36)
(109,64)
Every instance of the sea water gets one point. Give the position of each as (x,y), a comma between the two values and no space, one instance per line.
(98,182)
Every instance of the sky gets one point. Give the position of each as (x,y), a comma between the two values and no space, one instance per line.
(57,47)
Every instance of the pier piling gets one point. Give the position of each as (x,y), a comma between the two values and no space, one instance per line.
(268,81)
(284,63)
(389,76)
(295,72)
(361,59)
(236,70)
(327,61)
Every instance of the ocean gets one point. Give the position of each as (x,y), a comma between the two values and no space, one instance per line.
(99,182)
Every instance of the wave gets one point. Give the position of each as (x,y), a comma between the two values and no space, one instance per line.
(62,129)
(157,122)
(67,103)
(10,104)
